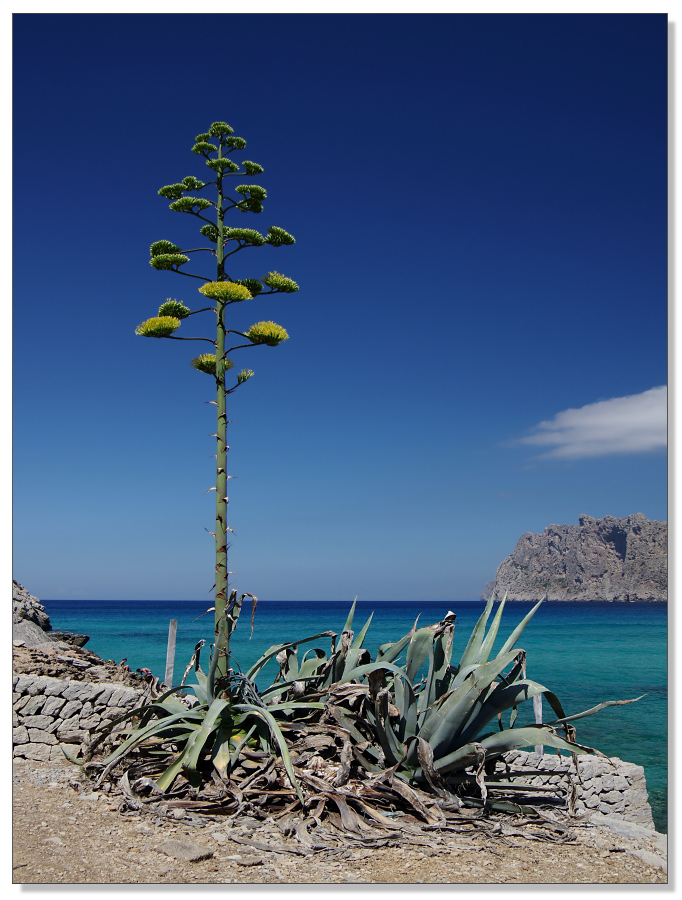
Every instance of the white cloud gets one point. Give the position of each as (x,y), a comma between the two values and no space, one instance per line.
(635,424)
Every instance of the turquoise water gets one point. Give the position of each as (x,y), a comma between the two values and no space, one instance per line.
(585,652)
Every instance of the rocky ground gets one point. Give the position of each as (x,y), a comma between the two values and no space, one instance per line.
(66,833)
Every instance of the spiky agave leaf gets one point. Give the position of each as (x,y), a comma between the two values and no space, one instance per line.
(225,291)
(158,326)
(174,308)
(266,333)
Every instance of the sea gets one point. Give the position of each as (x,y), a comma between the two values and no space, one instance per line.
(585,653)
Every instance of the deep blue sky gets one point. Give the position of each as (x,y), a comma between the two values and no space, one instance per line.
(479,203)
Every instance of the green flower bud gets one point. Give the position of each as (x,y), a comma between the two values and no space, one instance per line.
(219,165)
(253,285)
(219,128)
(172,191)
(252,168)
(257,193)
(210,232)
(187,204)
(201,138)
(163,247)
(168,260)
(225,291)
(244,375)
(236,142)
(280,283)
(159,326)
(175,309)
(192,184)
(244,234)
(266,333)
(278,237)
(202,147)
(206,362)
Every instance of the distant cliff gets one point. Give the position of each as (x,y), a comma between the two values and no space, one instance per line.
(598,559)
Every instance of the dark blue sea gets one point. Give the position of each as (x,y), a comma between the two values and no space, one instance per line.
(585,652)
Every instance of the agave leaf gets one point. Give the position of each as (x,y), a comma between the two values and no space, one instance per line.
(220,754)
(514,738)
(209,725)
(503,697)
(166,779)
(445,722)
(290,705)
(276,689)
(277,648)
(518,631)
(487,645)
(357,643)
(142,734)
(240,744)
(439,677)
(462,674)
(373,667)
(390,652)
(593,710)
(420,647)
(279,737)
(70,756)
(349,621)
(392,747)
(473,647)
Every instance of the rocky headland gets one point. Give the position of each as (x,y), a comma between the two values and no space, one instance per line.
(598,559)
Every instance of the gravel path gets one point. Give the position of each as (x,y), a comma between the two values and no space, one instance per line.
(65,835)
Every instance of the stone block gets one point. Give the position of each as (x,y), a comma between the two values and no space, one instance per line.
(105,694)
(40,752)
(651,859)
(606,783)
(622,828)
(52,705)
(91,722)
(78,690)
(15,696)
(56,754)
(40,682)
(38,736)
(184,851)
(21,703)
(73,707)
(72,737)
(37,721)
(611,796)
(591,802)
(86,710)
(23,682)
(55,686)
(620,783)
(20,735)
(34,705)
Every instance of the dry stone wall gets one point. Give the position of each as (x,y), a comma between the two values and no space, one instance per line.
(49,711)
(605,787)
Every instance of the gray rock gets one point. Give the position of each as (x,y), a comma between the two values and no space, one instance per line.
(21,702)
(37,721)
(79,690)
(28,608)
(40,752)
(38,736)
(52,706)
(71,708)
(34,705)
(38,685)
(91,722)
(651,859)
(249,860)
(661,845)
(184,851)
(621,828)
(20,735)
(598,559)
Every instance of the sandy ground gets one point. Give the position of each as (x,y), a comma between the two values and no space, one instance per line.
(69,836)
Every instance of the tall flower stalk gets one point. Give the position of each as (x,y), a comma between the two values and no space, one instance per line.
(223,291)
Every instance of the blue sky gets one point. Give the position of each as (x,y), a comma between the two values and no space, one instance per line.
(479,204)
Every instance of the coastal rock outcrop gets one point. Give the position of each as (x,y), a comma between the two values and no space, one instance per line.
(598,559)
(31,624)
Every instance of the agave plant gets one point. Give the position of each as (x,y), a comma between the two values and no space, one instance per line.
(409,718)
